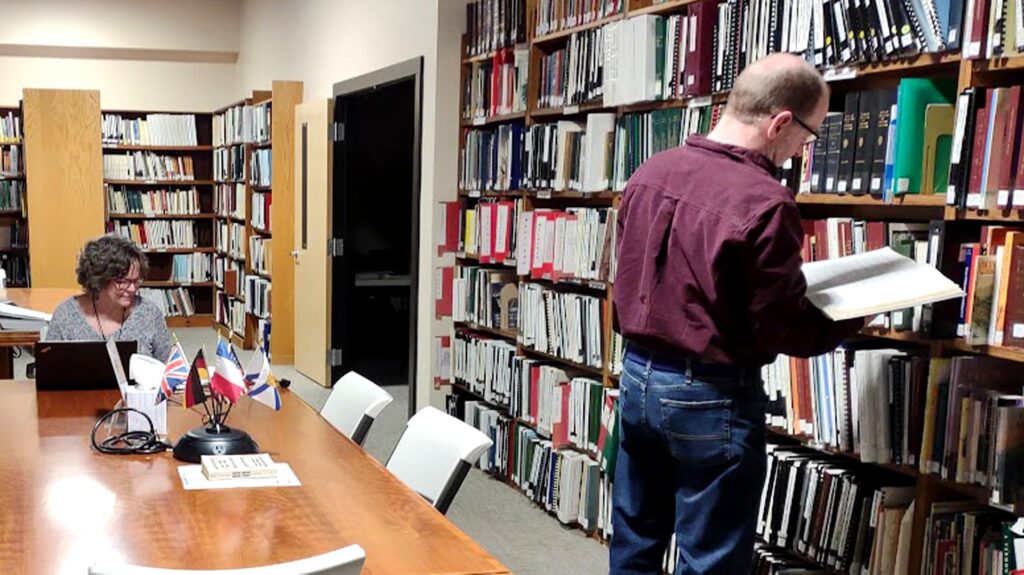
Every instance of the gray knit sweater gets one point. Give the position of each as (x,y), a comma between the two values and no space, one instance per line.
(145,325)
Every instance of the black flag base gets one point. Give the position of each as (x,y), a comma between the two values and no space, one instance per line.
(213,440)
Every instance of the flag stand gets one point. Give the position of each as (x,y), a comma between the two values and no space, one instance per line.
(215,439)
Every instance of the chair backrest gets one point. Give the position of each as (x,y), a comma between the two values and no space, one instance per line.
(353,405)
(344,561)
(435,453)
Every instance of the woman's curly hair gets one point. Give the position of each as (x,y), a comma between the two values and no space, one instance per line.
(105,259)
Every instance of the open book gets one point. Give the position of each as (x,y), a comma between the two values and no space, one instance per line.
(874,282)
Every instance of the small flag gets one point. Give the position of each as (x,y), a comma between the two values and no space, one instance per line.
(261,383)
(194,394)
(175,373)
(227,379)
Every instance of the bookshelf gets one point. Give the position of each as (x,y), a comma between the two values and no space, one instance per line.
(158,178)
(254,178)
(14,253)
(920,208)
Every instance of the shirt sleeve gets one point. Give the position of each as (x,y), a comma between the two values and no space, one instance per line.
(784,320)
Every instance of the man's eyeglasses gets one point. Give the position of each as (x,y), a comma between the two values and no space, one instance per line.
(804,125)
(124,283)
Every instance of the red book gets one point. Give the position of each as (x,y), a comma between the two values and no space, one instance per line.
(560,426)
(703,17)
(1011,141)
(443,292)
(875,235)
(450,231)
(978,158)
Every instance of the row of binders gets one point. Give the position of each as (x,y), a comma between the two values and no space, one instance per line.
(260,168)
(555,15)
(575,243)
(488,230)
(570,411)
(592,156)
(152,130)
(17,269)
(261,211)
(172,302)
(573,75)
(147,166)
(14,234)
(229,200)
(861,150)
(229,238)
(494,24)
(486,297)
(825,510)
(242,124)
(230,312)
(191,268)
(960,417)
(229,274)
(12,195)
(178,202)
(11,161)
(987,171)
(10,129)
(497,86)
(259,254)
(564,325)
(257,296)
(229,164)
(162,234)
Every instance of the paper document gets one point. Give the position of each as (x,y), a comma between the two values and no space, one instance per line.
(13,311)
(874,282)
(192,478)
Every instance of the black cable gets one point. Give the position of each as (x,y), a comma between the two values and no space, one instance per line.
(129,442)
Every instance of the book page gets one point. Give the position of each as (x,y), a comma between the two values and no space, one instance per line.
(874,282)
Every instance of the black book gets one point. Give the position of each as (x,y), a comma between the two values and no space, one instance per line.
(818,158)
(835,137)
(954,32)
(885,100)
(963,142)
(867,119)
(847,145)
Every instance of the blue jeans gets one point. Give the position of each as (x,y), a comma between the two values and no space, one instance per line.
(691,459)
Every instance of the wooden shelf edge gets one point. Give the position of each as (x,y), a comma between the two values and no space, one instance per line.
(197,320)
(488,120)
(935,201)
(565,33)
(158,182)
(509,335)
(149,148)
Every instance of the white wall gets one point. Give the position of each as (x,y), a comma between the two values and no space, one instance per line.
(321,42)
(166,29)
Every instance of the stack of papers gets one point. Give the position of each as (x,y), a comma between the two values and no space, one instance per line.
(14,318)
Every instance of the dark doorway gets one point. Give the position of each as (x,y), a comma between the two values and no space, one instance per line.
(376,199)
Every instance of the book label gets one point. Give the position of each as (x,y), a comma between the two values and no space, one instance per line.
(544,194)
(974,201)
(951,195)
(1003,199)
(699,102)
(479,121)
(1018,198)
(571,110)
(1018,330)
(474,193)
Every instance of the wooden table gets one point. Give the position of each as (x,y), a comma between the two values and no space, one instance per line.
(39,299)
(62,505)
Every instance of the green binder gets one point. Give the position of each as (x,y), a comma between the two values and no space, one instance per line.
(915,94)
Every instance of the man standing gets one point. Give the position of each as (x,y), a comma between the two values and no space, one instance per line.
(708,290)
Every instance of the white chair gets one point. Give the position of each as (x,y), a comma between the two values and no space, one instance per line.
(354,403)
(435,453)
(344,561)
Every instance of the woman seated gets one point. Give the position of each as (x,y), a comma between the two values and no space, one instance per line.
(110,270)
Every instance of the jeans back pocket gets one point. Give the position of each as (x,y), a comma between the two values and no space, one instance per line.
(697,432)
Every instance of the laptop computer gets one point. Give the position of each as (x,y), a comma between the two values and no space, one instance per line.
(78,365)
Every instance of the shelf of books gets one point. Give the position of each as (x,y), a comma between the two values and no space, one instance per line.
(894,453)
(14,258)
(157,171)
(241,170)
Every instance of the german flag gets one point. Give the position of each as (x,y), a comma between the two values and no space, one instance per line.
(197,376)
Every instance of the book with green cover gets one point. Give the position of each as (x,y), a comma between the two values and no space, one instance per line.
(915,94)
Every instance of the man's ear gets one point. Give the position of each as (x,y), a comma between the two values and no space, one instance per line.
(778,122)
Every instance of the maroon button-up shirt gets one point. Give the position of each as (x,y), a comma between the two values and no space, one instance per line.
(709,261)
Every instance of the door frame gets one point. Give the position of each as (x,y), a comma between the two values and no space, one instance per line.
(411,69)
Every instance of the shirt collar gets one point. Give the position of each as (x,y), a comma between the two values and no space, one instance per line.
(737,152)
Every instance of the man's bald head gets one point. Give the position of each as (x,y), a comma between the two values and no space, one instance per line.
(775,83)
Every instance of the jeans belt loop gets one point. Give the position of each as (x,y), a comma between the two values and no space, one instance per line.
(689,372)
